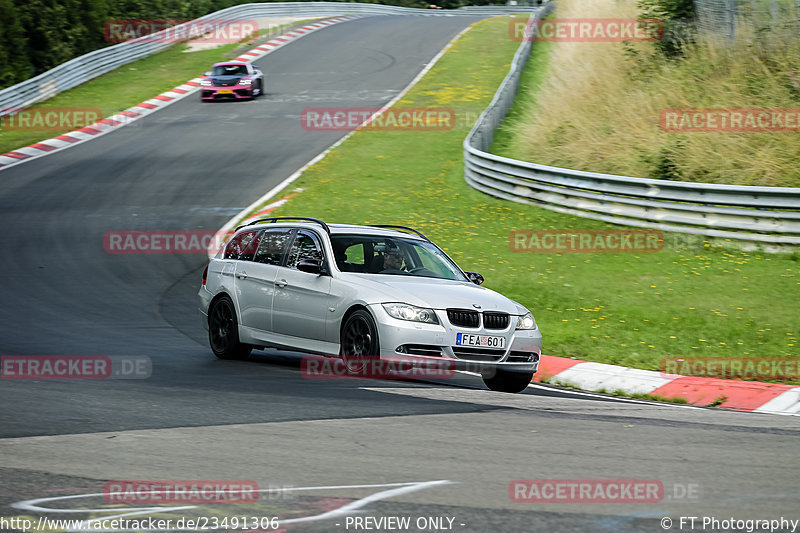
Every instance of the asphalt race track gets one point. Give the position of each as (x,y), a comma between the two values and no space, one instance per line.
(192,166)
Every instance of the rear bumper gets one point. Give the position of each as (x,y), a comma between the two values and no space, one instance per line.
(205,302)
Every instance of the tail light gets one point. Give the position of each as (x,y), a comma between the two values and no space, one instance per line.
(205,275)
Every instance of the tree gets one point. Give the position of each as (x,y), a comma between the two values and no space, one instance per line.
(14,63)
(678,19)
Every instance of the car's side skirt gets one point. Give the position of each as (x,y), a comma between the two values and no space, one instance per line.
(265,338)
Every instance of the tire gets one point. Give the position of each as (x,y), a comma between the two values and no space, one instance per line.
(223,331)
(260,89)
(253,93)
(506,381)
(359,341)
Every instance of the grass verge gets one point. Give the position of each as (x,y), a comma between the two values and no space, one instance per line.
(689,299)
(134,83)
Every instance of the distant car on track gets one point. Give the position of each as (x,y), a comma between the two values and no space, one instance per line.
(358,292)
(232,80)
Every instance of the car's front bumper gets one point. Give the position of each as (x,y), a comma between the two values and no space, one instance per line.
(437,342)
(236,92)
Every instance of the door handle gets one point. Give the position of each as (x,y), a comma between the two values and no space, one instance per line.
(281,283)
(242,275)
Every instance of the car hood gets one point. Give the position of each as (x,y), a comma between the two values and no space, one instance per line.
(434,293)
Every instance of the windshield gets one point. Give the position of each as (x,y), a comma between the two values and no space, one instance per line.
(229,70)
(370,254)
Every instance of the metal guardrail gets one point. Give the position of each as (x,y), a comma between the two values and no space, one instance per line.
(88,66)
(761,214)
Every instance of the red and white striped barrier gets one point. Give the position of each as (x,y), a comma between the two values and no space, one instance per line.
(740,395)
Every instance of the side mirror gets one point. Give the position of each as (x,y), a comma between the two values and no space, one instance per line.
(207,73)
(474,277)
(312,266)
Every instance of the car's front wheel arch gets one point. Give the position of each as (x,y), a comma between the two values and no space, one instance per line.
(352,309)
(356,321)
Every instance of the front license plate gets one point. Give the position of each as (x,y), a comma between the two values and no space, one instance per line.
(482,341)
(225,91)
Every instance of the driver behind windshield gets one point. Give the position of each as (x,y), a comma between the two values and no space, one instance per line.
(229,70)
(392,260)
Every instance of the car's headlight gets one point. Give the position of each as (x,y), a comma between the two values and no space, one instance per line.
(526,322)
(410,312)
(205,83)
(245,82)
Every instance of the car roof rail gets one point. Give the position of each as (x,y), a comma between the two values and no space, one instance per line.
(275,219)
(392,226)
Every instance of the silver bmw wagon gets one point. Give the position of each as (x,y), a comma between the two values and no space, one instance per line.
(351,292)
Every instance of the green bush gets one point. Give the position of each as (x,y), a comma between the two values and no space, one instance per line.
(678,17)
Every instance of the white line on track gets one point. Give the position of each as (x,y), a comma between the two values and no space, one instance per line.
(392,490)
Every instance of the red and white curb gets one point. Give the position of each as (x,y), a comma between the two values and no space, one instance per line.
(740,395)
(42,148)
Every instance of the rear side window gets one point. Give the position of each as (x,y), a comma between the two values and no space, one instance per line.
(271,246)
(351,258)
(242,246)
(305,246)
